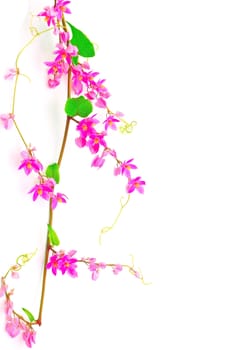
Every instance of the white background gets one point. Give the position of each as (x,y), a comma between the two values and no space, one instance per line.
(167,65)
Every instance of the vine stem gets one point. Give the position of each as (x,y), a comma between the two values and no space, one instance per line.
(39,319)
(50,218)
(17,78)
(108,228)
(61,153)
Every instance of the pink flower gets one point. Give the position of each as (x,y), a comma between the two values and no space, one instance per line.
(95,267)
(86,126)
(58,198)
(3,288)
(110,122)
(68,264)
(65,53)
(119,114)
(127,166)
(91,95)
(124,168)
(11,73)
(77,86)
(135,184)
(8,307)
(64,37)
(57,68)
(7,120)
(52,83)
(44,190)
(82,78)
(53,264)
(64,263)
(102,265)
(13,326)
(95,275)
(117,171)
(77,79)
(28,335)
(14,274)
(30,164)
(100,102)
(100,88)
(28,152)
(98,162)
(61,8)
(49,15)
(55,13)
(80,142)
(108,151)
(117,268)
(94,142)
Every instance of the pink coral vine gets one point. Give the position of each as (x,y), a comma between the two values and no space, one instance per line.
(85,93)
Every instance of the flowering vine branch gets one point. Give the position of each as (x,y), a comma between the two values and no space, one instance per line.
(86,93)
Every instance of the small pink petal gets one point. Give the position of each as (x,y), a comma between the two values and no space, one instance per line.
(101,103)
(14,274)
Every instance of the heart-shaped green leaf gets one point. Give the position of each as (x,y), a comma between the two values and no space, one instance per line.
(80,106)
(82,42)
(53,172)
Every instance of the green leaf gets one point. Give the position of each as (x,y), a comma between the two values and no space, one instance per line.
(54,239)
(53,172)
(82,42)
(75,60)
(80,106)
(29,314)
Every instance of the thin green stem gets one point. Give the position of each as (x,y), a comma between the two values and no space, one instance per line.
(14,93)
(108,228)
(20,134)
(17,78)
(29,43)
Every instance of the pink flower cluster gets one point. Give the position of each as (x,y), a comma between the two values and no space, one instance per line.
(45,186)
(53,14)
(45,189)
(94,140)
(95,267)
(65,51)
(62,61)
(64,262)
(16,325)
(29,162)
(124,168)
(90,137)
(84,81)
